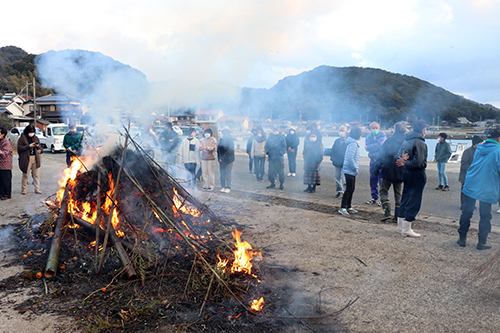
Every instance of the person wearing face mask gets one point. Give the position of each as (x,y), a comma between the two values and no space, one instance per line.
(208,147)
(292,143)
(225,153)
(313,157)
(28,149)
(312,129)
(337,158)
(275,149)
(350,170)
(373,144)
(258,153)
(5,165)
(73,143)
(189,156)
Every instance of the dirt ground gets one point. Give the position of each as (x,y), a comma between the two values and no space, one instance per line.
(399,284)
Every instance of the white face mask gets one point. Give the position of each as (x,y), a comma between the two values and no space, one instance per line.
(31,135)
(277,132)
(260,134)
(342,133)
(207,135)
(73,130)
(308,131)
(312,139)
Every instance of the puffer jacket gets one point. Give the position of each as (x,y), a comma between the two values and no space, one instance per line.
(189,151)
(209,146)
(482,178)
(351,158)
(414,145)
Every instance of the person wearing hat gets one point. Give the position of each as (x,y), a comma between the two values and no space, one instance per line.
(72,142)
(465,163)
(482,183)
(275,149)
(413,156)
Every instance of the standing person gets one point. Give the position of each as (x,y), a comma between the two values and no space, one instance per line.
(5,165)
(350,170)
(413,156)
(189,155)
(292,144)
(169,141)
(337,158)
(73,143)
(313,157)
(275,148)
(465,163)
(225,153)
(28,149)
(208,146)
(373,144)
(258,153)
(481,183)
(391,173)
(442,155)
(249,149)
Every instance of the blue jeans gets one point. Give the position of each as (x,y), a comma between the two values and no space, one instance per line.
(442,173)
(339,179)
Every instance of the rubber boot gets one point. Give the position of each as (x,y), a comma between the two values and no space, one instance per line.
(483,244)
(396,214)
(400,225)
(386,205)
(313,189)
(407,231)
(462,241)
(308,189)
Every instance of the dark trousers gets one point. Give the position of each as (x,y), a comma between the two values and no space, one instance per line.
(414,183)
(5,183)
(191,177)
(258,166)
(484,216)
(375,178)
(350,185)
(225,174)
(276,167)
(250,163)
(385,186)
(292,161)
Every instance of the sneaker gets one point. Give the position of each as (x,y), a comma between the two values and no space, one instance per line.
(24,192)
(293,175)
(371,202)
(289,174)
(210,189)
(281,186)
(271,186)
(498,211)
(343,211)
(339,195)
(446,188)
(38,192)
(440,187)
(228,190)
(223,190)
(352,210)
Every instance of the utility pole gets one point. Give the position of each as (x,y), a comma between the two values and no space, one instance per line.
(34,99)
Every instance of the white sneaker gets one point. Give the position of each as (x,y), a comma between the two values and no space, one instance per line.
(223,190)
(228,190)
(343,211)
(351,210)
(498,211)
(289,174)
(293,175)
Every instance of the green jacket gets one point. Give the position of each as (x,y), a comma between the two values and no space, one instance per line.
(443,152)
(72,140)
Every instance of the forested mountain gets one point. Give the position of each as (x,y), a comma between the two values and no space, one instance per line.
(362,94)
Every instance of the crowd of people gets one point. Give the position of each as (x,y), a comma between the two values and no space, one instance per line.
(399,161)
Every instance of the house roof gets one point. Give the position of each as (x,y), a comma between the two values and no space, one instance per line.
(57,98)
(233,118)
(215,112)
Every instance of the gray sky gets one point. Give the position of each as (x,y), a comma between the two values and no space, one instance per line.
(254,43)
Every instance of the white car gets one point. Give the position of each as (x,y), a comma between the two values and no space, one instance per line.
(16,132)
(54,136)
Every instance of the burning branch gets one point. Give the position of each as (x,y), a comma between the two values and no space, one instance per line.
(55,247)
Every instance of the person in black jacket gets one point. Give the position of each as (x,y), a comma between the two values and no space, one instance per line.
(275,149)
(225,153)
(391,173)
(313,156)
(337,158)
(413,156)
(169,141)
(249,149)
(292,144)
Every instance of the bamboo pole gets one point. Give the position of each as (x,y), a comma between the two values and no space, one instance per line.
(55,247)
(98,219)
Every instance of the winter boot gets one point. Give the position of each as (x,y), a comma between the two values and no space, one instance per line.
(396,214)
(462,241)
(386,205)
(313,189)
(308,189)
(483,244)
(407,231)
(400,225)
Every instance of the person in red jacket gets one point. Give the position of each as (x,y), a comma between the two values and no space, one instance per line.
(5,165)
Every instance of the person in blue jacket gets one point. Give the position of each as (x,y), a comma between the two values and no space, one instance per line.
(481,183)
(373,145)
(350,170)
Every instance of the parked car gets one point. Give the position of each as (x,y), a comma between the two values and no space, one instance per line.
(16,132)
(54,136)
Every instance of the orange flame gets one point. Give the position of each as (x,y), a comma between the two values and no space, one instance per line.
(183,206)
(257,305)
(243,255)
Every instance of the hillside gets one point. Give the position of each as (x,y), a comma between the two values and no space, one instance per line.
(359,94)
